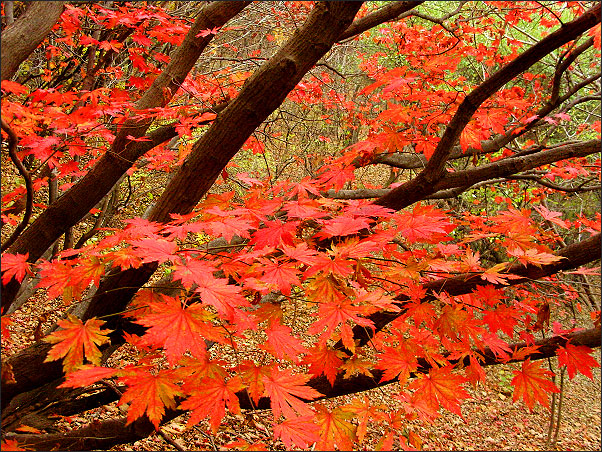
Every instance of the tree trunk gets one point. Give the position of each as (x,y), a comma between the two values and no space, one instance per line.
(26,33)
(77,201)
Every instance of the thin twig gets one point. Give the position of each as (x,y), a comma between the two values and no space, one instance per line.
(12,151)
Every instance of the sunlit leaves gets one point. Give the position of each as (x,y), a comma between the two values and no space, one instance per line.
(76,341)
(324,360)
(533,384)
(286,390)
(149,394)
(211,397)
(14,266)
(86,375)
(577,358)
(441,387)
(176,328)
(335,429)
(298,431)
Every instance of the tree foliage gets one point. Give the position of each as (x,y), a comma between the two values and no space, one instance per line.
(275,203)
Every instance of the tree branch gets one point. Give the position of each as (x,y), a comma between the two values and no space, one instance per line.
(26,33)
(423,184)
(574,256)
(512,165)
(12,151)
(382,15)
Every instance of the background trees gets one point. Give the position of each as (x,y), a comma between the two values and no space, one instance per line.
(274,203)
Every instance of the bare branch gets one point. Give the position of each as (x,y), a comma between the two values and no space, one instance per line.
(12,151)
(384,14)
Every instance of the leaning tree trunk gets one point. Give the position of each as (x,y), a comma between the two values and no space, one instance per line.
(26,33)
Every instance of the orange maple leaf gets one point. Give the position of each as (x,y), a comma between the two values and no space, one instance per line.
(15,265)
(335,429)
(253,375)
(86,375)
(533,385)
(11,444)
(397,361)
(75,341)
(324,360)
(149,394)
(281,342)
(532,256)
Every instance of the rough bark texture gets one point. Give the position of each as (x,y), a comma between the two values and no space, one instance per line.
(422,185)
(82,197)
(26,33)
(259,97)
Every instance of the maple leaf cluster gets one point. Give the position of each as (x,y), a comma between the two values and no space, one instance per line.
(271,287)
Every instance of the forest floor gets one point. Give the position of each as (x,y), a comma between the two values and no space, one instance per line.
(491,420)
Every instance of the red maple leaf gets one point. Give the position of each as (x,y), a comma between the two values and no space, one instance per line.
(472,135)
(324,360)
(532,384)
(155,250)
(577,358)
(297,431)
(14,265)
(222,296)
(281,342)
(192,272)
(441,387)
(301,253)
(229,227)
(280,275)
(124,258)
(274,234)
(86,375)
(286,391)
(210,398)
(175,328)
(398,361)
(333,313)
(75,341)
(502,318)
(424,224)
(207,32)
(149,394)
(342,226)
(253,375)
